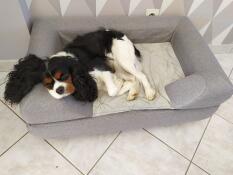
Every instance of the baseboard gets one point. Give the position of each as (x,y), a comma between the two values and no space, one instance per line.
(7,65)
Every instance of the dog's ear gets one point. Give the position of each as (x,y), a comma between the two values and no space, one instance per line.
(85,86)
(26,74)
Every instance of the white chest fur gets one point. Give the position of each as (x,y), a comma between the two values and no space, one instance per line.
(62,54)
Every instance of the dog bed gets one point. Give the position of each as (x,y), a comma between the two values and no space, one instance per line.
(196,91)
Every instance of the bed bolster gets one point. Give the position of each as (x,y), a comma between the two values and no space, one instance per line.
(43,35)
(199,91)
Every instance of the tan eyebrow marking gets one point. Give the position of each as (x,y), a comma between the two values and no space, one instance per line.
(57,75)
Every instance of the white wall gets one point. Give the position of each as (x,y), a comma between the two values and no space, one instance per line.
(14,35)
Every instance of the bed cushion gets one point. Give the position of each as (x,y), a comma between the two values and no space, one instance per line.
(161,66)
(39,107)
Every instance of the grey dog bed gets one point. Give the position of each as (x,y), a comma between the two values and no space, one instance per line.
(193,96)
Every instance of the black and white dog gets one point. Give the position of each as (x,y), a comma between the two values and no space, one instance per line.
(100,60)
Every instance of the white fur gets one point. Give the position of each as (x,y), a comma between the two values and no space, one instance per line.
(63,54)
(109,79)
(55,86)
(127,68)
(124,55)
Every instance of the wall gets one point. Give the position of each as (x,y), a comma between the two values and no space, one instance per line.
(14,35)
(213,18)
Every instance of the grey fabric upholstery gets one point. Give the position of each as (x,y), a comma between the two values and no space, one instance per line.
(196,59)
(196,96)
(48,109)
(118,122)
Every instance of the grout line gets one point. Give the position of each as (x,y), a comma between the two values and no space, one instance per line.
(223,118)
(166,144)
(13,112)
(175,150)
(198,145)
(64,157)
(14,143)
(201,168)
(104,153)
(3,82)
(230,73)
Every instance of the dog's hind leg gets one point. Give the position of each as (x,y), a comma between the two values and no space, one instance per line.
(131,84)
(149,91)
(123,51)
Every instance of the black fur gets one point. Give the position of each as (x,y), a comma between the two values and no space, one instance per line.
(137,53)
(86,88)
(89,51)
(26,74)
(95,44)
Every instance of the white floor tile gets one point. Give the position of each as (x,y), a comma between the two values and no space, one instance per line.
(2,89)
(14,107)
(195,170)
(183,138)
(139,153)
(231,77)
(222,49)
(84,151)
(11,128)
(226,61)
(216,149)
(3,77)
(34,156)
(226,110)
(7,65)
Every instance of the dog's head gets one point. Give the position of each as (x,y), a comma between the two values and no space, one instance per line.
(61,75)
(58,77)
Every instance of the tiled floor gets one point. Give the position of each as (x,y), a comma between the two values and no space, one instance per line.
(198,148)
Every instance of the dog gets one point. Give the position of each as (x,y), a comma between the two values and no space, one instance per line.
(100,60)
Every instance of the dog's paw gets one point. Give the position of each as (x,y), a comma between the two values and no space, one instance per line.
(132,96)
(134,91)
(150,94)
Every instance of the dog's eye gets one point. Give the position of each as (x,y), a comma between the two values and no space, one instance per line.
(64,77)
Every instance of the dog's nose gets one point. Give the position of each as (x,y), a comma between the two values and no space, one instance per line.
(60,90)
